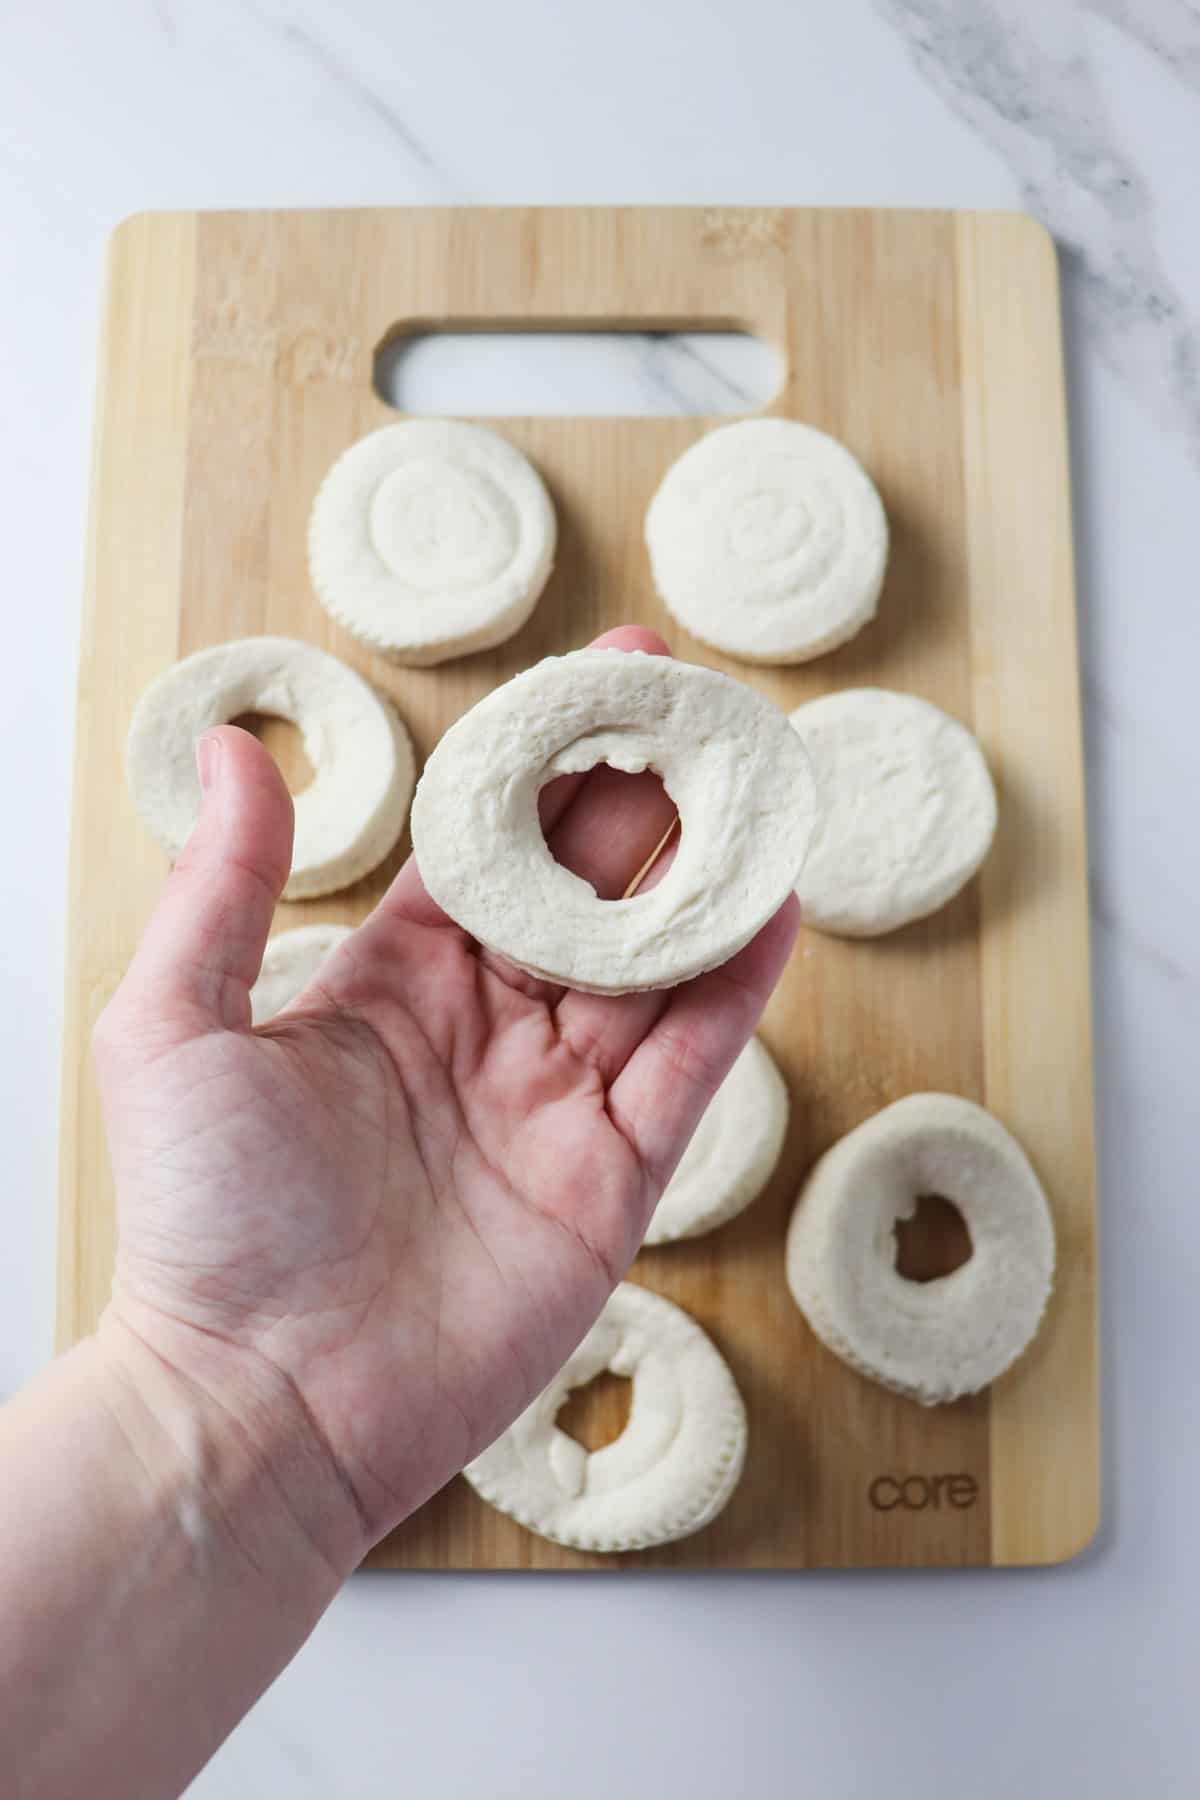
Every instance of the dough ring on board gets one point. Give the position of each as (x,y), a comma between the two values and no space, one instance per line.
(768,540)
(728,759)
(431,538)
(352,812)
(290,961)
(733,1151)
(672,1469)
(932,1340)
(906,810)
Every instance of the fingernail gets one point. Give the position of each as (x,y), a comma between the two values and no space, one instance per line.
(208,754)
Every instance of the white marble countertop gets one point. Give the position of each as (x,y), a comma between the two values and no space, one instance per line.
(1080,1680)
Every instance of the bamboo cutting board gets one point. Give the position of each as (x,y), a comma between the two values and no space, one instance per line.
(237,364)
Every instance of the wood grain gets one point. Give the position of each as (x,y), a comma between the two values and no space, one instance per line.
(237,364)
(1045,1414)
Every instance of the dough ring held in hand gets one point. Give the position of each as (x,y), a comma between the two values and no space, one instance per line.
(353,810)
(932,1340)
(728,759)
(431,538)
(733,1151)
(668,1474)
(906,810)
(290,961)
(768,540)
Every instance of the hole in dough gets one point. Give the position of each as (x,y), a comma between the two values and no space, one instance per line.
(597,1414)
(619,831)
(933,1242)
(285,742)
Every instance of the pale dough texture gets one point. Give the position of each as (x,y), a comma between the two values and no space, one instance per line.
(290,961)
(431,538)
(733,1151)
(768,540)
(906,810)
(673,1468)
(353,810)
(728,759)
(932,1340)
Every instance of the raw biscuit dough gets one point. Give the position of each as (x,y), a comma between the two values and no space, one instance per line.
(768,540)
(906,810)
(290,961)
(733,1151)
(352,812)
(728,759)
(932,1340)
(673,1468)
(431,538)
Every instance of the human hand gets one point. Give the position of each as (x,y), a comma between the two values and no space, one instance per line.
(404,1201)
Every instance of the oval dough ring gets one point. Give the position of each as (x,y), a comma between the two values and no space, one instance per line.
(933,1340)
(906,810)
(768,540)
(668,1474)
(290,961)
(353,810)
(431,538)
(728,759)
(733,1151)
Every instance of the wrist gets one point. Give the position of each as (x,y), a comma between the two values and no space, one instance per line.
(163,1555)
(234,1452)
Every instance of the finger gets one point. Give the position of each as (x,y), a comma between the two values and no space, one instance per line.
(659,1096)
(611,828)
(604,1030)
(558,794)
(203,947)
(408,895)
(632,637)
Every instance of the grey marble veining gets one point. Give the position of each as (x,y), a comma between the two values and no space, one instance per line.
(161,10)
(696,372)
(1020,73)
(1169,29)
(676,373)
(364,95)
(1185,981)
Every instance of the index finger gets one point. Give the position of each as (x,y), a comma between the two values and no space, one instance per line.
(661,1093)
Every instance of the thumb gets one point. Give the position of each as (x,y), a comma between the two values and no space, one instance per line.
(203,947)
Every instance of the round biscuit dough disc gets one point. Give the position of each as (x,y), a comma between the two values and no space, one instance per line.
(729,760)
(906,810)
(352,811)
(932,1340)
(768,541)
(431,538)
(290,961)
(672,1469)
(733,1151)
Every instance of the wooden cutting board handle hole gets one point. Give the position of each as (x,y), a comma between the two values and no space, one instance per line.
(636,370)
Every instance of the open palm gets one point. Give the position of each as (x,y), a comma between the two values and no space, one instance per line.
(411,1193)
